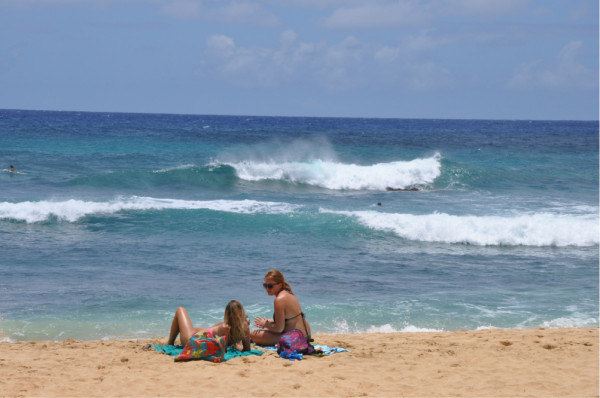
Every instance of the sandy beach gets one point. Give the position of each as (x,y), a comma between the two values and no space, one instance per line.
(492,363)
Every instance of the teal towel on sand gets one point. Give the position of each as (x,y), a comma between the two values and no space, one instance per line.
(175,350)
(320,349)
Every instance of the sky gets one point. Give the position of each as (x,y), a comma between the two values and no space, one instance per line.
(465,59)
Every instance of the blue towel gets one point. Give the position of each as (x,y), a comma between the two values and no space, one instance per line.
(175,350)
(320,349)
(326,350)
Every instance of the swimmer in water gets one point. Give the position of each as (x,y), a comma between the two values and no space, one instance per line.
(12,170)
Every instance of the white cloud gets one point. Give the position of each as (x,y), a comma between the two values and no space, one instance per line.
(484,7)
(403,66)
(424,42)
(338,66)
(182,9)
(387,54)
(222,45)
(377,14)
(246,12)
(427,76)
(565,72)
(386,13)
(33,3)
(254,66)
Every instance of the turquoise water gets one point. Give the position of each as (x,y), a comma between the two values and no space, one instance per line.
(114,220)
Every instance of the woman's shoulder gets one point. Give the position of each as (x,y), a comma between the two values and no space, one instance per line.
(221,329)
(286,298)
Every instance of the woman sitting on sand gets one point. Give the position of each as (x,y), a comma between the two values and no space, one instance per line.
(235,326)
(288,327)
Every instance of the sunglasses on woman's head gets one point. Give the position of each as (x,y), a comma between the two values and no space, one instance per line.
(269,285)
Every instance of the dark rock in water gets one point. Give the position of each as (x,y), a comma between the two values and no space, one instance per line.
(411,189)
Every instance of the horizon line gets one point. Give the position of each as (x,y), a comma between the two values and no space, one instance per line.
(302,116)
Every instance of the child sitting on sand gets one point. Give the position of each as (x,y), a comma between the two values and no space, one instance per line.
(235,327)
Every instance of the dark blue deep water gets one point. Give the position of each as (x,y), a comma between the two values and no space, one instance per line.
(113,220)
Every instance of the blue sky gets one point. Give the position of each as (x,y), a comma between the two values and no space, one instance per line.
(489,59)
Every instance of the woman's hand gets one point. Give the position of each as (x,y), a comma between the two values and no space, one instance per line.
(260,322)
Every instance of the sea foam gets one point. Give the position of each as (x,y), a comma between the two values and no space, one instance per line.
(538,229)
(72,210)
(334,175)
(571,322)
(387,328)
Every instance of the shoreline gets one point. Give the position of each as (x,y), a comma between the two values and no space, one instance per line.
(489,362)
(155,339)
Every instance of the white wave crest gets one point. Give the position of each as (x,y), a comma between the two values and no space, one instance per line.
(571,322)
(387,328)
(169,169)
(73,209)
(342,326)
(334,175)
(487,327)
(539,229)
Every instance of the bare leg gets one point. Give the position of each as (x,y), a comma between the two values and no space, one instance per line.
(264,337)
(182,325)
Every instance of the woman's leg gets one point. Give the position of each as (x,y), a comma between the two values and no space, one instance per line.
(182,325)
(264,337)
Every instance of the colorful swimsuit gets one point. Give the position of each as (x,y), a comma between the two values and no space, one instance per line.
(294,341)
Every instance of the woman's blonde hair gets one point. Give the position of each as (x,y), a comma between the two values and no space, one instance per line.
(235,317)
(277,277)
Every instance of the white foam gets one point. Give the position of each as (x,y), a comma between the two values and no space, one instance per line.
(72,210)
(180,167)
(415,329)
(488,327)
(342,326)
(570,322)
(334,175)
(387,328)
(539,229)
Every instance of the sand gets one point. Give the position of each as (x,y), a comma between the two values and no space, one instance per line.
(490,363)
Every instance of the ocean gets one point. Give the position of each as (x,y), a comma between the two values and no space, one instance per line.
(113,220)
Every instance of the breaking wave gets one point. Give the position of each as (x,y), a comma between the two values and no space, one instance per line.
(571,322)
(539,229)
(334,175)
(72,210)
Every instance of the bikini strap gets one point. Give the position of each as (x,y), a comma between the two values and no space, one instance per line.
(308,338)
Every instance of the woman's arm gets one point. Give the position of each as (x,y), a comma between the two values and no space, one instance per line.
(278,323)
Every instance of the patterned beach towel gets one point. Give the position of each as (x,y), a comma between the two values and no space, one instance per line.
(176,350)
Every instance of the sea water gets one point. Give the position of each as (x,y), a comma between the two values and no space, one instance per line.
(114,220)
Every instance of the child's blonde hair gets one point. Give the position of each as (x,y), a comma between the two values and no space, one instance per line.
(236,318)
